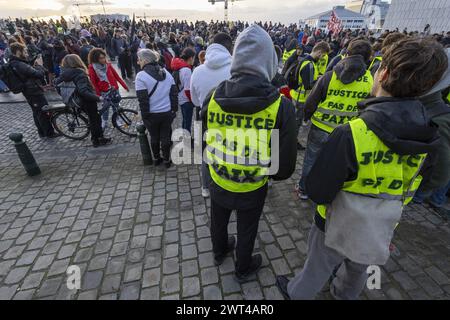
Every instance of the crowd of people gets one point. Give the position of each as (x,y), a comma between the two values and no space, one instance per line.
(377,105)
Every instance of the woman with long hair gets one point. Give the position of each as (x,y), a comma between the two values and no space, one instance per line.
(105,80)
(74,70)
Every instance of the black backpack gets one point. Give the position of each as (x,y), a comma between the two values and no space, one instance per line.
(292,74)
(176,78)
(11,78)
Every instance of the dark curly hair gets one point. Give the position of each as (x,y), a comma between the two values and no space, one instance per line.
(94,55)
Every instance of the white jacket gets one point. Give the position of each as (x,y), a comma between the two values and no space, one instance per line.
(209,75)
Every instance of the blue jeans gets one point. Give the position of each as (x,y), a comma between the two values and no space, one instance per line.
(437,197)
(316,139)
(187,110)
(3,86)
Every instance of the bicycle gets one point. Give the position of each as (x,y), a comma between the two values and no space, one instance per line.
(73,123)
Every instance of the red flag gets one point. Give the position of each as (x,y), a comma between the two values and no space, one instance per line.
(334,24)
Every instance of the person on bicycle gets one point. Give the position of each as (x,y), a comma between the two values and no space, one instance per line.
(74,70)
(106,81)
(158,101)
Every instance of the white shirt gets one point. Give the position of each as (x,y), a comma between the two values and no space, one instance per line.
(185,80)
(160,100)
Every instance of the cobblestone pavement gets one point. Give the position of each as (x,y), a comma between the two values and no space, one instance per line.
(142,232)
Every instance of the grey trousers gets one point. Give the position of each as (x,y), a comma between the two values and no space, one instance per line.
(350,279)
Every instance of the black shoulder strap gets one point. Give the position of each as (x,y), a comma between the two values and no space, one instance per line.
(153,90)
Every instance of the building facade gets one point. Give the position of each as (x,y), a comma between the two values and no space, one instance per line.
(416,14)
(354,5)
(349,19)
(375,12)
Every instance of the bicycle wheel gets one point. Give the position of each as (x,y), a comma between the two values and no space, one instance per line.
(71,125)
(126,120)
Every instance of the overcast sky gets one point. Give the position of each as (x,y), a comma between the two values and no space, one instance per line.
(275,10)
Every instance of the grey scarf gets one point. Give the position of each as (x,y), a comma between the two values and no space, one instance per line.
(100,70)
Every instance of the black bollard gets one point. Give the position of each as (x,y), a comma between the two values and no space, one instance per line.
(145,146)
(25,155)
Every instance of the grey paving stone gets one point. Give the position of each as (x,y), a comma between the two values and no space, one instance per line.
(130,291)
(33,280)
(437,275)
(88,295)
(272,293)
(405,281)
(280,267)
(189,252)
(151,278)
(92,280)
(49,287)
(111,283)
(152,260)
(16,275)
(191,286)
(150,294)
(266,277)
(170,284)
(189,268)
(229,285)
(212,293)
(209,276)
(6,293)
(171,266)
(133,272)
(252,291)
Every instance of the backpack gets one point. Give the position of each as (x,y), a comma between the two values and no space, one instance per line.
(176,78)
(292,74)
(11,78)
(66,90)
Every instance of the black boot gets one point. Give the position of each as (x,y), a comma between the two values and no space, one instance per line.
(255,265)
(219,258)
(282,283)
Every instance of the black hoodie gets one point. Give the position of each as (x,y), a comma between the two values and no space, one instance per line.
(401,124)
(84,88)
(347,71)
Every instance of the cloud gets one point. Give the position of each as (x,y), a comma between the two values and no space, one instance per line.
(285,11)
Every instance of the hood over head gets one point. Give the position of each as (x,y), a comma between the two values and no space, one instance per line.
(350,69)
(217,56)
(254,54)
(155,70)
(401,124)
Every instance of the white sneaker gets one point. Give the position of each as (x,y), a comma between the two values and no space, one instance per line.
(205,193)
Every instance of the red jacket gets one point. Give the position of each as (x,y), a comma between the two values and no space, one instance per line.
(103,86)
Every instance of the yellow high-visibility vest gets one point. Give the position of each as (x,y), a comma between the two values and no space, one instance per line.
(341,103)
(238,147)
(382,173)
(301,94)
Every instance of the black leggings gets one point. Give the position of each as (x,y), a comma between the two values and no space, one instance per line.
(95,122)
(160,127)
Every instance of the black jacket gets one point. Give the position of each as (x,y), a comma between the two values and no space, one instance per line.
(84,89)
(30,76)
(401,124)
(247,95)
(159,74)
(347,71)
